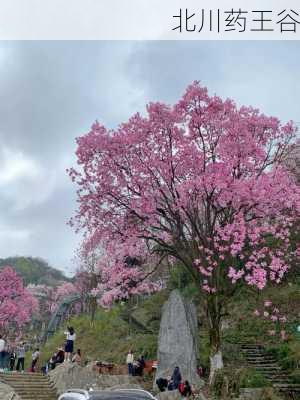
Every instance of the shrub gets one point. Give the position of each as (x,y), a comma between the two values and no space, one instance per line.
(228,382)
(250,378)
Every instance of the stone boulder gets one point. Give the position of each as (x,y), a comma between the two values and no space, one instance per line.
(7,392)
(70,375)
(177,343)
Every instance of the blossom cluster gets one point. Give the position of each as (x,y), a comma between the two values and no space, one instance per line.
(272,315)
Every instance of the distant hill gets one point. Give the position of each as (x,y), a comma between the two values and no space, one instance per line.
(34,270)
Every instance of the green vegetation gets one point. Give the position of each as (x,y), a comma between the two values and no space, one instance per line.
(34,270)
(109,337)
(228,382)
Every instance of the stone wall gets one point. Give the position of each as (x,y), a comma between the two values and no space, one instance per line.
(72,376)
(7,392)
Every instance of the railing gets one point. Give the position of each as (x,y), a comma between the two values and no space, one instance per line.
(59,316)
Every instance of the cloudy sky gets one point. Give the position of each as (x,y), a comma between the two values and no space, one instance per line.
(51,92)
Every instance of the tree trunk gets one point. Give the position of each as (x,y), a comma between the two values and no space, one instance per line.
(93,308)
(216,358)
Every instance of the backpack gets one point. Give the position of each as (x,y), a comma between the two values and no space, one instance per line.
(181,387)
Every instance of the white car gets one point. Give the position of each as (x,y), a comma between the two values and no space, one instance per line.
(118,394)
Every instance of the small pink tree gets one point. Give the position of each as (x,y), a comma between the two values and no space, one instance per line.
(49,297)
(202,183)
(17,304)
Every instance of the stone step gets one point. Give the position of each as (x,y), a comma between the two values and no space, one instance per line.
(259,357)
(33,384)
(294,388)
(264,365)
(277,375)
(26,379)
(37,395)
(34,388)
(23,378)
(30,386)
(254,352)
(262,361)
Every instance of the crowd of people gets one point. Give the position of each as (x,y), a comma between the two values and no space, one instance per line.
(175,382)
(12,355)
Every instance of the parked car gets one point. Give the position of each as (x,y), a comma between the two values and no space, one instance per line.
(118,394)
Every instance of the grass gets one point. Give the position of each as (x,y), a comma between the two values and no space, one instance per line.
(109,337)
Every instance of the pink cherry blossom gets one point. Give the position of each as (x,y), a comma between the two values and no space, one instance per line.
(16,303)
(201,183)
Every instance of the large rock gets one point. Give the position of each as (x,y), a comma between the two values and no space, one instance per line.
(70,375)
(7,392)
(177,344)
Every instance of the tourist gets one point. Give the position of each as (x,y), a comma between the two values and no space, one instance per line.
(52,361)
(176,378)
(69,348)
(162,384)
(170,383)
(2,353)
(12,359)
(77,357)
(129,362)
(21,357)
(139,366)
(35,358)
(59,356)
(185,389)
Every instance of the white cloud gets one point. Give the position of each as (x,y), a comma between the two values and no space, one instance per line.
(15,166)
(23,181)
(8,235)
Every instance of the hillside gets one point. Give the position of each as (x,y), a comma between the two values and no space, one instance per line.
(111,335)
(34,270)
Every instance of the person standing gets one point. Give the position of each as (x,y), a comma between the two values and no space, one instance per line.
(2,352)
(21,357)
(176,378)
(129,362)
(35,358)
(12,359)
(69,348)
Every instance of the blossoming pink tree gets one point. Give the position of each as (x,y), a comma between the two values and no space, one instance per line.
(16,303)
(201,182)
(49,297)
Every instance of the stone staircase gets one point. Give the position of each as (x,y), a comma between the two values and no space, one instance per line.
(258,358)
(30,386)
